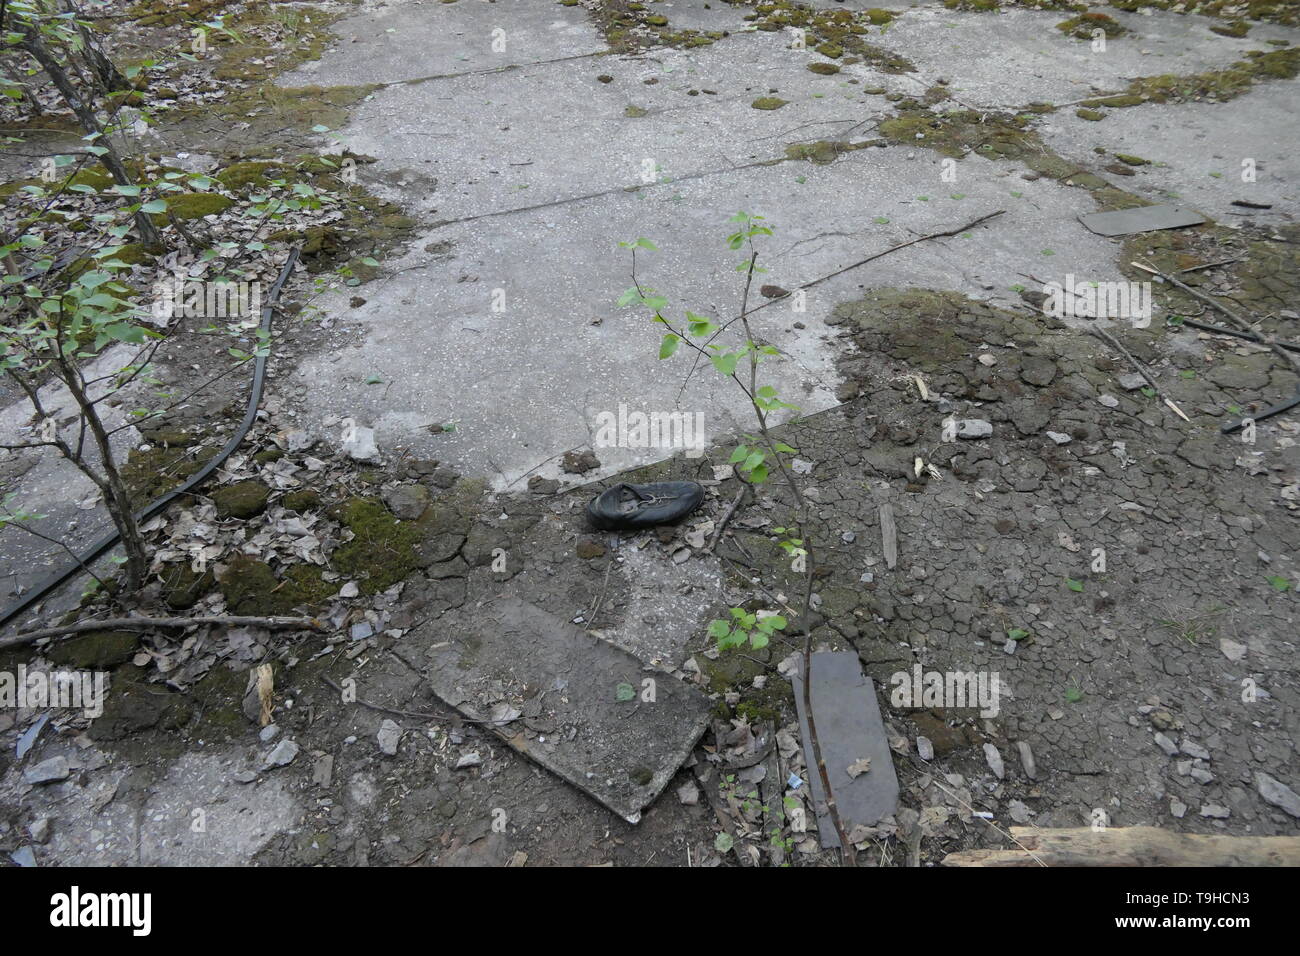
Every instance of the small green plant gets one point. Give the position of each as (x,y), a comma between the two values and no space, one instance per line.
(745,628)
(1073,693)
(759,456)
(1074,584)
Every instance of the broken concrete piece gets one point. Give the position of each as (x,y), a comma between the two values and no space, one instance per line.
(1278,794)
(358,442)
(849,730)
(972,428)
(282,754)
(1127,222)
(390,734)
(48,771)
(620,750)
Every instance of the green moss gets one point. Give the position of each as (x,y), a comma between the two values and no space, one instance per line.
(382,550)
(1237,28)
(251,587)
(97,650)
(1116,101)
(825,69)
(249,173)
(1093,116)
(187,206)
(821,153)
(768,103)
(243,499)
(307,499)
(830,50)
(1132,160)
(1085,25)
(183,586)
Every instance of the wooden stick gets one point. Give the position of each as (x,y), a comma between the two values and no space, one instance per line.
(1132,846)
(1141,369)
(148,623)
(722,524)
(1237,320)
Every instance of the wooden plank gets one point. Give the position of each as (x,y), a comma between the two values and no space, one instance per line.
(1132,846)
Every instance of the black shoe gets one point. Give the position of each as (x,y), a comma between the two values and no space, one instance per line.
(643,506)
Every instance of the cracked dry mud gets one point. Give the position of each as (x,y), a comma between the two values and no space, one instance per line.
(1155,691)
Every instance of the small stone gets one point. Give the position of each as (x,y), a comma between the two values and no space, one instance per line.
(267,733)
(1278,794)
(322,772)
(1165,744)
(407,502)
(390,733)
(1027,759)
(1232,650)
(1215,812)
(1018,811)
(574,463)
(987,359)
(973,428)
(1131,381)
(361,630)
(48,771)
(1201,775)
(1060,438)
(588,548)
(994,759)
(924,748)
(1193,749)
(1110,401)
(469,760)
(245,776)
(349,590)
(848,537)
(283,754)
(688,794)
(40,830)
(358,442)
(1177,808)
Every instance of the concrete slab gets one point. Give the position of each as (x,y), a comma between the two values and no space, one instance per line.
(849,730)
(560,690)
(410,39)
(1031,61)
(1197,150)
(528,382)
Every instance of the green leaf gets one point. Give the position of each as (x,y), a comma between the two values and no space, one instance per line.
(1073,585)
(669,345)
(740,454)
(723,843)
(758,640)
(1279,583)
(624,692)
(1017,633)
(719,629)
(154,206)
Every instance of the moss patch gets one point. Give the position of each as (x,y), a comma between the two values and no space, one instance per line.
(769,103)
(383,549)
(1085,25)
(187,206)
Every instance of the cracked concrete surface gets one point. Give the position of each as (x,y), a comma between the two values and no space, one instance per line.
(524,170)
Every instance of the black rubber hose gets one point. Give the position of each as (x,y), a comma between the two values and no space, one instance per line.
(105,544)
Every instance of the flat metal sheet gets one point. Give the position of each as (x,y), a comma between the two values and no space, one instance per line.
(1128,222)
(849,727)
(553,691)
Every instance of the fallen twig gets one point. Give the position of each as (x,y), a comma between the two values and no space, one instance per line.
(722,524)
(1240,321)
(1140,368)
(148,623)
